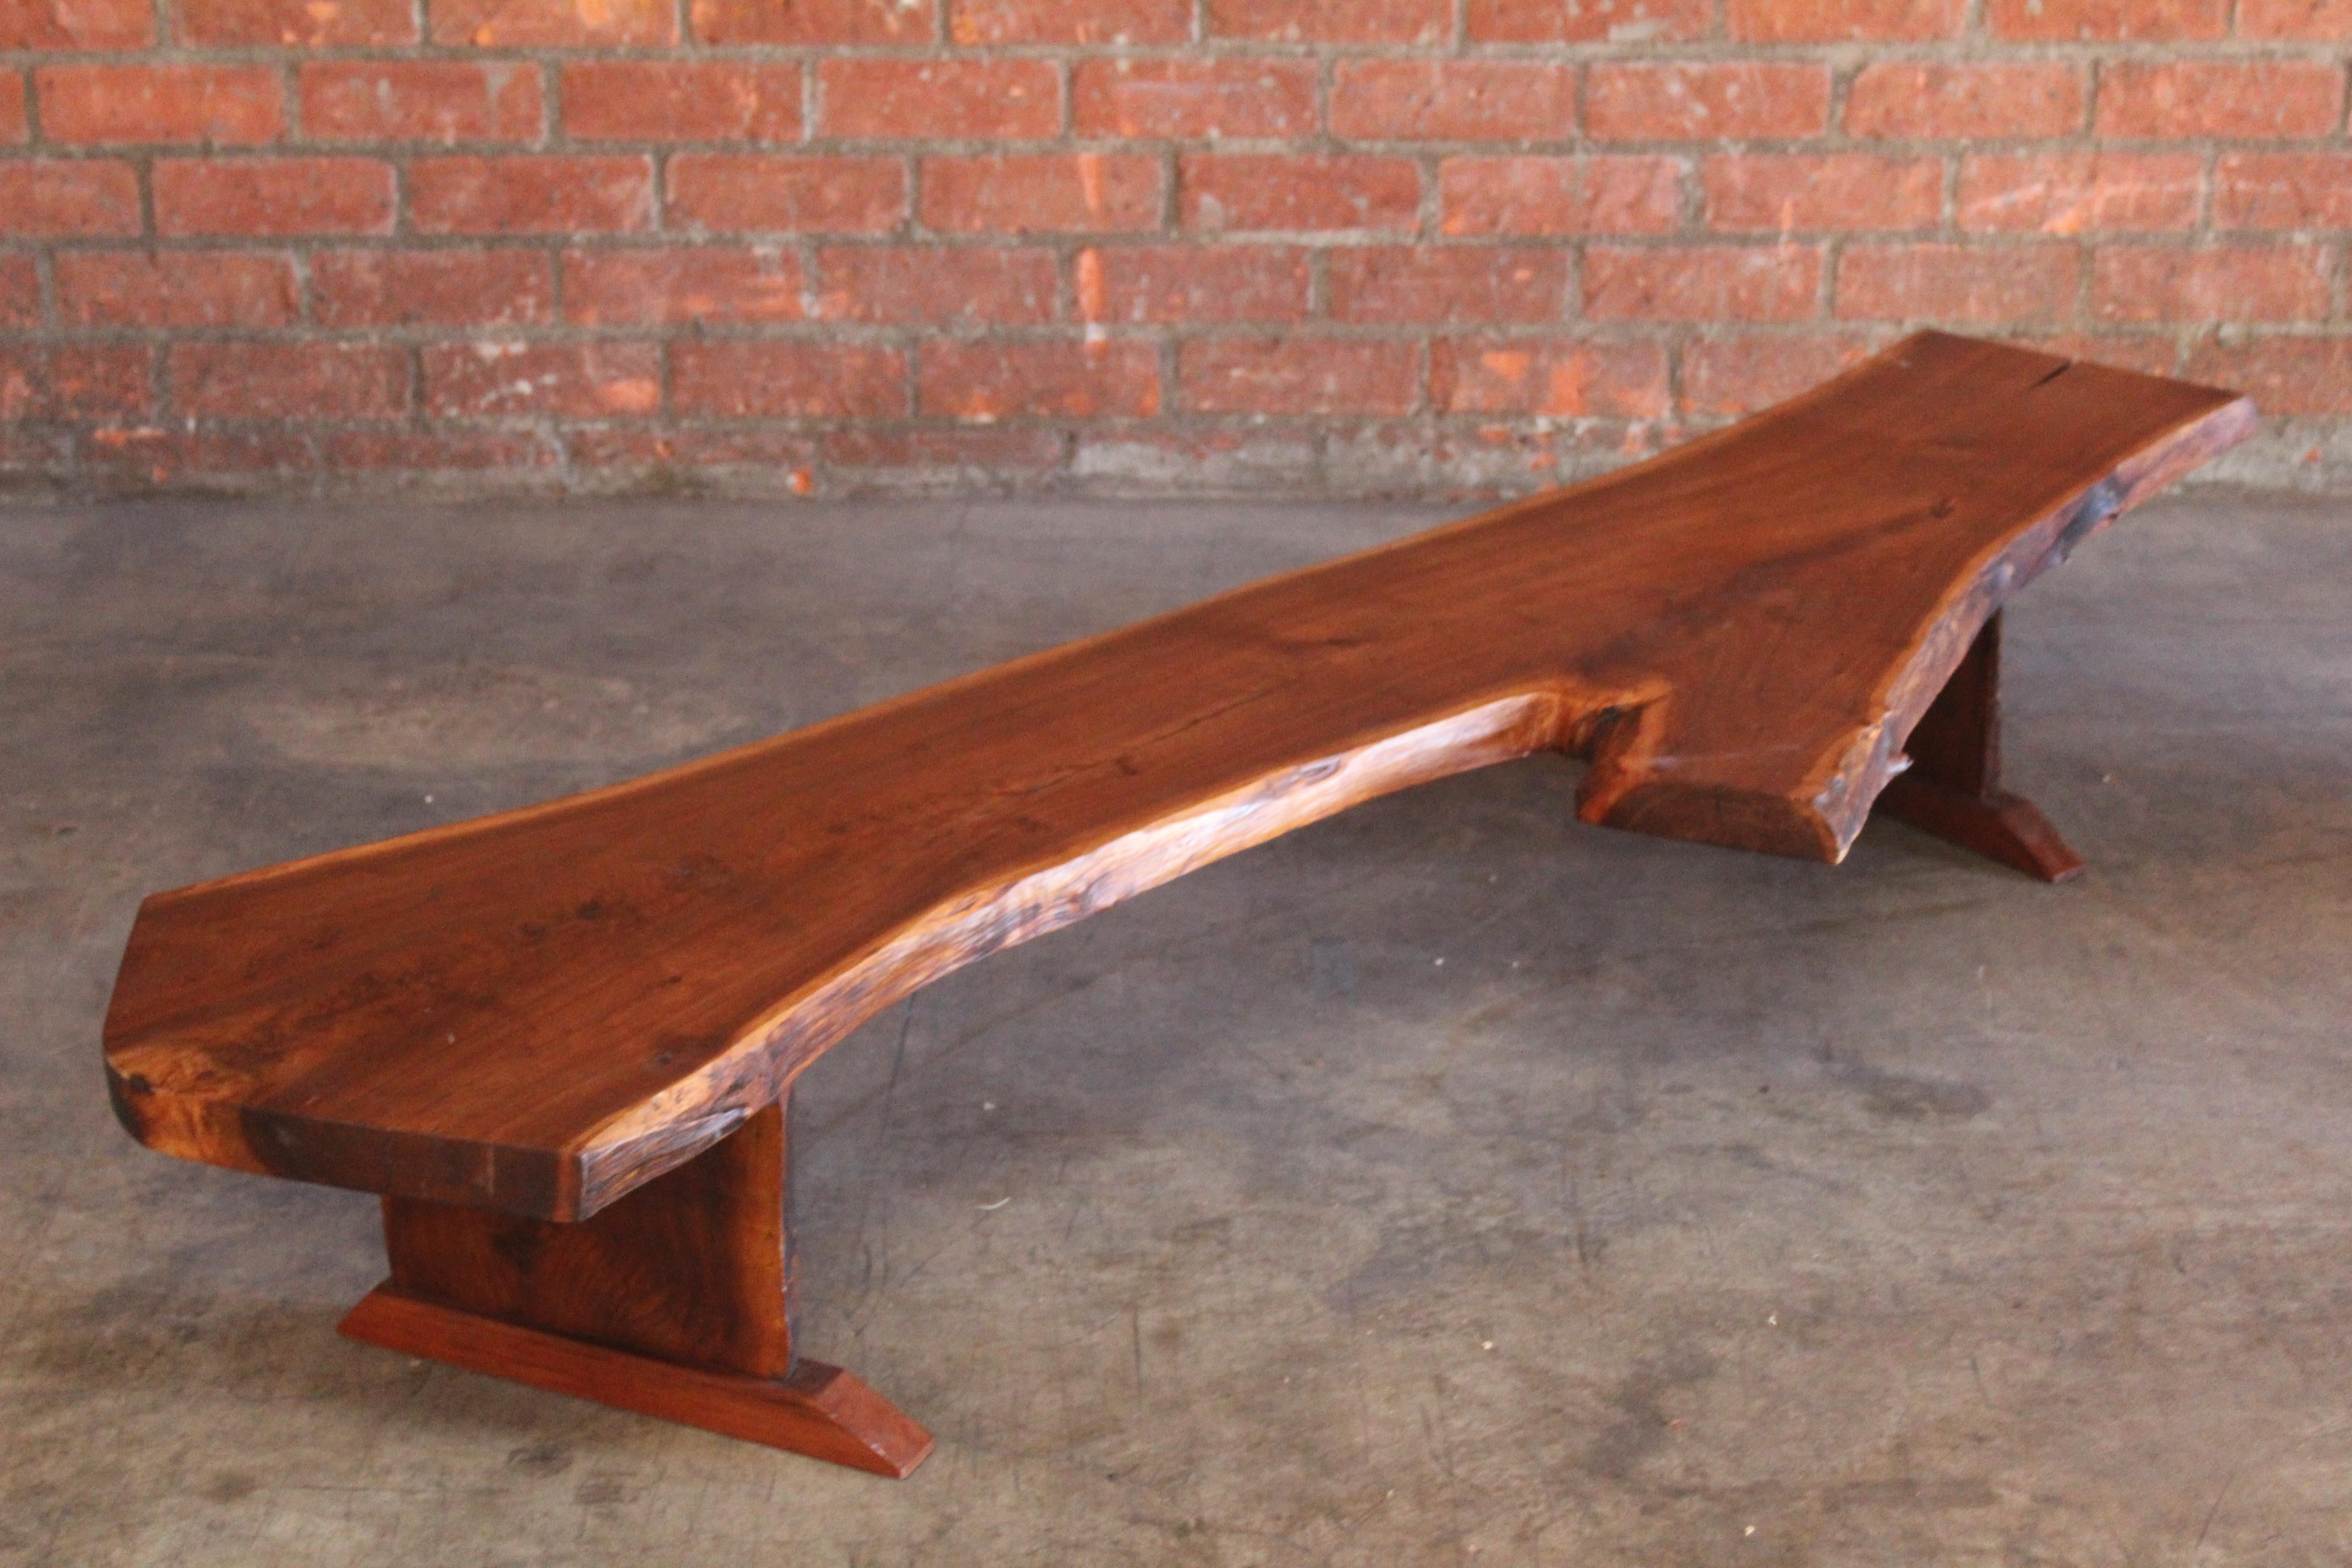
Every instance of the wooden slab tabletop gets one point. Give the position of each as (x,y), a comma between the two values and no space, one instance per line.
(538,1011)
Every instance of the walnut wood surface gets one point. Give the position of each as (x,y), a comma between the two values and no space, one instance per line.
(538,1012)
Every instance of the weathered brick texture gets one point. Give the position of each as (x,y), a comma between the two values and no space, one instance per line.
(1311,245)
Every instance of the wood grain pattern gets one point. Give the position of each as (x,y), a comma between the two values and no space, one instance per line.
(539,1011)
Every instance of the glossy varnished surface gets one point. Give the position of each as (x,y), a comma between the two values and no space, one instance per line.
(539,1011)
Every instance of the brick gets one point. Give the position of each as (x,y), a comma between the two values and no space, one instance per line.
(44,198)
(530,195)
(1705,102)
(2282,190)
(1701,283)
(1193,98)
(897,284)
(987,382)
(1332,21)
(812,22)
(1587,22)
(681,100)
(175,289)
(1273,191)
(738,380)
(289,381)
(1090,193)
(1912,99)
(223,105)
(984,22)
(100,382)
(554,24)
(1740,375)
(504,379)
(1550,377)
(977,451)
(447,450)
(20,292)
(2295,19)
(93,24)
(1620,194)
(2217,98)
(1853,192)
(2168,283)
(635,446)
(272,196)
(663,288)
(1955,282)
(729,192)
(1298,376)
(939,100)
(2283,375)
(2106,21)
(77,381)
(1843,21)
(1179,283)
(15,125)
(216,451)
(296,24)
(2074,192)
(421,100)
(490,288)
(165,455)
(1453,100)
(1394,284)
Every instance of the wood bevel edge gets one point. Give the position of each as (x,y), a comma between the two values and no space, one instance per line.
(818,1410)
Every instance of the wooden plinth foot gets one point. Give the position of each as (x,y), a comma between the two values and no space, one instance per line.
(1999,826)
(675,1301)
(817,1410)
(1953,789)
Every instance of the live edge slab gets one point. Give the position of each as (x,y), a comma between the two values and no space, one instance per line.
(559,1040)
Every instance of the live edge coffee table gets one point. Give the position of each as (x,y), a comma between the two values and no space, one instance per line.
(559,1040)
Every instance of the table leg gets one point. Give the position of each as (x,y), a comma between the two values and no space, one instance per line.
(674,1301)
(1953,786)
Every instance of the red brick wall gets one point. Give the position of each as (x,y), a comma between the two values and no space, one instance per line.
(1339,245)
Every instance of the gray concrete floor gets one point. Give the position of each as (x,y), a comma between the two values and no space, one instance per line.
(1447,1182)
